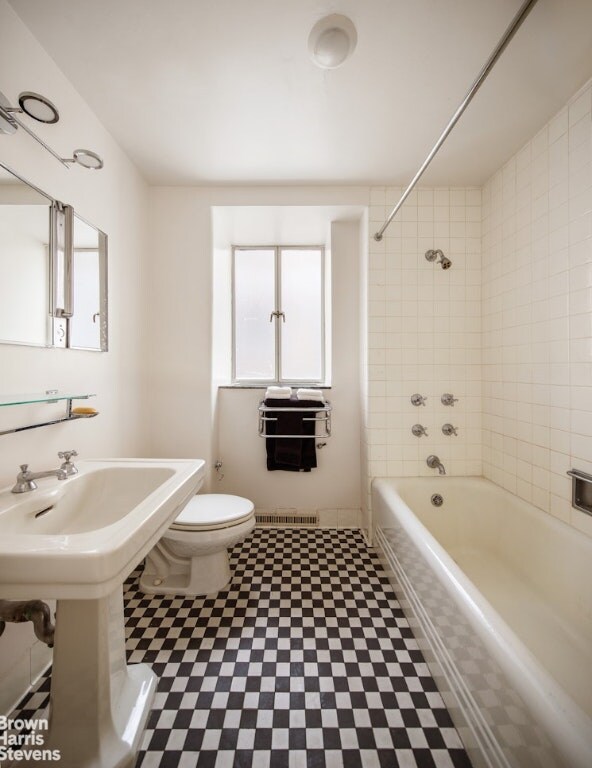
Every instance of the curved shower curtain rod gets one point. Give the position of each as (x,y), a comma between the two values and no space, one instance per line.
(499,49)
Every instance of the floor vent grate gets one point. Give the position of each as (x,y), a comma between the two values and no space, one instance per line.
(286,520)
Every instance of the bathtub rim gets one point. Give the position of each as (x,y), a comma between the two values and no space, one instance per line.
(543,695)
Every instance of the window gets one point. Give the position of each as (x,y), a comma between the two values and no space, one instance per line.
(278,314)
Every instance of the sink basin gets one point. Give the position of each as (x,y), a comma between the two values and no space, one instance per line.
(79,538)
(76,540)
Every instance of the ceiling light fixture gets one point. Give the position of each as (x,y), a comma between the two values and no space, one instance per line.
(38,107)
(41,109)
(332,40)
(86,159)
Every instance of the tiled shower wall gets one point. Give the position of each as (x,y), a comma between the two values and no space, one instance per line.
(424,332)
(537,314)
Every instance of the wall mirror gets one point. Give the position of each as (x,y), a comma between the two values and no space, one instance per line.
(53,271)
(25,235)
(87,327)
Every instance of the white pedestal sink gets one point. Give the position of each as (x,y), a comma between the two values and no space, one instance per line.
(76,540)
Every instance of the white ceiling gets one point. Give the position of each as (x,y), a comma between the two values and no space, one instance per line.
(259,224)
(223,91)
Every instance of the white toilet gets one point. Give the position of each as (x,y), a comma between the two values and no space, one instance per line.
(192,558)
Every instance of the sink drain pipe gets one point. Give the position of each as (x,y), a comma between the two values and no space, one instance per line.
(30,610)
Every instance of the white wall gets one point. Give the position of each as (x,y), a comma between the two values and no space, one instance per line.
(115,200)
(424,332)
(183,411)
(537,314)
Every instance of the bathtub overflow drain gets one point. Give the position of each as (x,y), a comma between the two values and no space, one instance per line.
(437,500)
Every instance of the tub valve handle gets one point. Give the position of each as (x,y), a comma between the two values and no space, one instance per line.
(418,399)
(449,430)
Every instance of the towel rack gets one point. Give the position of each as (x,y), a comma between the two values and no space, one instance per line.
(321,414)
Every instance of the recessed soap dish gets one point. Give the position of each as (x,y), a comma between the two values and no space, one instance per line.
(581,490)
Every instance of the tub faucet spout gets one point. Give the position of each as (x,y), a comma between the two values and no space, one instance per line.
(434,462)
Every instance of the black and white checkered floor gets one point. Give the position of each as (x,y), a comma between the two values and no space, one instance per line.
(305,660)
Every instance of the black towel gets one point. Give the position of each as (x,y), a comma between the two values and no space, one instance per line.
(291,454)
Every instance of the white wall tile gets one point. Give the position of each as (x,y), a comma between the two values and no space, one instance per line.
(537,312)
(508,329)
(432,338)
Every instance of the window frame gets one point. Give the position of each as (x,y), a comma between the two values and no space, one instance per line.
(277,249)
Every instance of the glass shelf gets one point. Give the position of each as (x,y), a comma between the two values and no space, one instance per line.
(50,396)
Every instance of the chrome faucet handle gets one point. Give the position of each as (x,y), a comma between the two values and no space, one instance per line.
(67,454)
(23,482)
(448,399)
(418,399)
(449,430)
(67,466)
(418,430)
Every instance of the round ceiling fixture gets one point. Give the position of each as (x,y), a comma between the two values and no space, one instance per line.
(87,159)
(332,40)
(38,107)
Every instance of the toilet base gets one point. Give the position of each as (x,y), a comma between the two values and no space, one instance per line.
(166,574)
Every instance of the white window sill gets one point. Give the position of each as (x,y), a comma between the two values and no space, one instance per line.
(264,386)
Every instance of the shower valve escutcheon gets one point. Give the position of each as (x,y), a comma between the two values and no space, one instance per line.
(419,430)
(418,399)
(448,399)
(449,430)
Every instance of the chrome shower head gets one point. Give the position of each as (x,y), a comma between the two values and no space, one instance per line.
(444,262)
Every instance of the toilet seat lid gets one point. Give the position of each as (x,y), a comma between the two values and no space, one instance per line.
(213,509)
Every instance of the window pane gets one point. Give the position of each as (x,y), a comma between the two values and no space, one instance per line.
(254,299)
(302,304)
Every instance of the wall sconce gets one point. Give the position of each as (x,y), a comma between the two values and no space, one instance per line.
(41,109)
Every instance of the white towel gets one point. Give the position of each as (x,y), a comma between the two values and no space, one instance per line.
(310,394)
(279,393)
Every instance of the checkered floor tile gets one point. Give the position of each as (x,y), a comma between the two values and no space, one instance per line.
(304,660)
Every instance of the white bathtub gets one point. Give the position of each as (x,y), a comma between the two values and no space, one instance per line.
(500,596)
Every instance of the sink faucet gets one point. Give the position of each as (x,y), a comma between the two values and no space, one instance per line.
(25,479)
(434,462)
